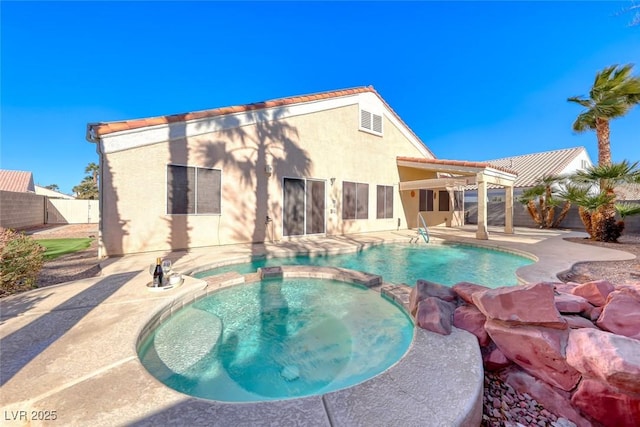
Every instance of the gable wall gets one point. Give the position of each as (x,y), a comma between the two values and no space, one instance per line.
(320,145)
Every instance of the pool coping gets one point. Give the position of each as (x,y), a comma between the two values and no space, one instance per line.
(70,348)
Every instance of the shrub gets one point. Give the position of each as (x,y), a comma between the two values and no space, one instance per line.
(21,259)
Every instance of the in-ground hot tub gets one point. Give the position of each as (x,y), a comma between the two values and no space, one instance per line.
(277,339)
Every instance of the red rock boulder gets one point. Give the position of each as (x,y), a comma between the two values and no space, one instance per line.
(471,319)
(611,358)
(572,304)
(606,405)
(493,359)
(533,304)
(538,350)
(436,315)
(465,290)
(576,322)
(595,292)
(621,315)
(425,289)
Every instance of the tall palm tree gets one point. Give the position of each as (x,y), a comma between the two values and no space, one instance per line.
(94,170)
(615,91)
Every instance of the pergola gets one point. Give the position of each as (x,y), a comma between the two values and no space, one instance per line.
(457,173)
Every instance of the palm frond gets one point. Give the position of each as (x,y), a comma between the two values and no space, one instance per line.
(627,209)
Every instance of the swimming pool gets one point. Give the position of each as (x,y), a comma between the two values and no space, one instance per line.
(277,339)
(446,264)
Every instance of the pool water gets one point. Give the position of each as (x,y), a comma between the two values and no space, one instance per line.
(277,339)
(405,263)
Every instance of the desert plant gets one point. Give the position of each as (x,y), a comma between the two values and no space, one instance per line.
(548,200)
(626,209)
(21,259)
(603,180)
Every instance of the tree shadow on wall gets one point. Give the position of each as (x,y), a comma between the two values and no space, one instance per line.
(268,150)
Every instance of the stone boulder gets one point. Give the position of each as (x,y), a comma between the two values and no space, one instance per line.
(471,319)
(595,292)
(576,322)
(606,405)
(611,358)
(553,399)
(425,289)
(621,315)
(436,315)
(572,304)
(532,304)
(465,290)
(595,313)
(565,288)
(493,359)
(538,350)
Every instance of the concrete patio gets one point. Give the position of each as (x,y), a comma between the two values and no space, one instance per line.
(70,349)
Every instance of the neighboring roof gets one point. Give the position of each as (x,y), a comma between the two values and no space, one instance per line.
(16,181)
(96,130)
(531,167)
(455,165)
(52,194)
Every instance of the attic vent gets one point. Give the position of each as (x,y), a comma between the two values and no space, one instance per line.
(370,122)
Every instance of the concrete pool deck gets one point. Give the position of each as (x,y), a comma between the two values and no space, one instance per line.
(70,349)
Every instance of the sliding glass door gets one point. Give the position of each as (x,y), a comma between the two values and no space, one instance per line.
(303,207)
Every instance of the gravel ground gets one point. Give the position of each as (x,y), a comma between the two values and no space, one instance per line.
(502,405)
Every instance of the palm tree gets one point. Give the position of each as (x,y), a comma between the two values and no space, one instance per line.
(614,93)
(595,206)
(543,214)
(94,170)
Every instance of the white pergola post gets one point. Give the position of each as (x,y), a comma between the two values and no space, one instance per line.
(481,232)
(508,209)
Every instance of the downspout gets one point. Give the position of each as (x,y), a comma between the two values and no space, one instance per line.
(92,137)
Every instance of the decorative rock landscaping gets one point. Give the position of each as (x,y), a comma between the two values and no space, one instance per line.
(572,348)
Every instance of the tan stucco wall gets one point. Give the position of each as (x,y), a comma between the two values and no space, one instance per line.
(321,145)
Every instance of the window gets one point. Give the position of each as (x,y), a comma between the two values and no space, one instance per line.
(426,200)
(193,190)
(384,207)
(443,201)
(355,200)
(371,122)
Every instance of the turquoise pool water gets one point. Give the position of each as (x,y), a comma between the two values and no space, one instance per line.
(405,263)
(277,339)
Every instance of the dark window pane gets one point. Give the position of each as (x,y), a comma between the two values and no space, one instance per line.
(443,201)
(389,202)
(315,207)
(293,206)
(380,201)
(429,200)
(422,201)
(208,191)
(180,189)
(362,201)
(348,200)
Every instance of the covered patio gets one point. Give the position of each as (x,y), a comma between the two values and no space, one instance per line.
(452,176)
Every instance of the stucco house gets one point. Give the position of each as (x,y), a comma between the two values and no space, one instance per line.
(325,164)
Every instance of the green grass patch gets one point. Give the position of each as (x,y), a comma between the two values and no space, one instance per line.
(55,248)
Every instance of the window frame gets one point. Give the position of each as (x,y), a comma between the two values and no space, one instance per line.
(168,210)
(428,198)
(386,189)
(356,206)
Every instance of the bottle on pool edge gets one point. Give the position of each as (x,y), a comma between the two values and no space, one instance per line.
(157,273)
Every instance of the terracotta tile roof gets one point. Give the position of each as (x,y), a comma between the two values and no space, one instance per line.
(456,163)
(105,128)
(531,167)
(16,181)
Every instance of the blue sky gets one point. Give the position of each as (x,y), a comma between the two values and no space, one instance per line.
(474,80)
